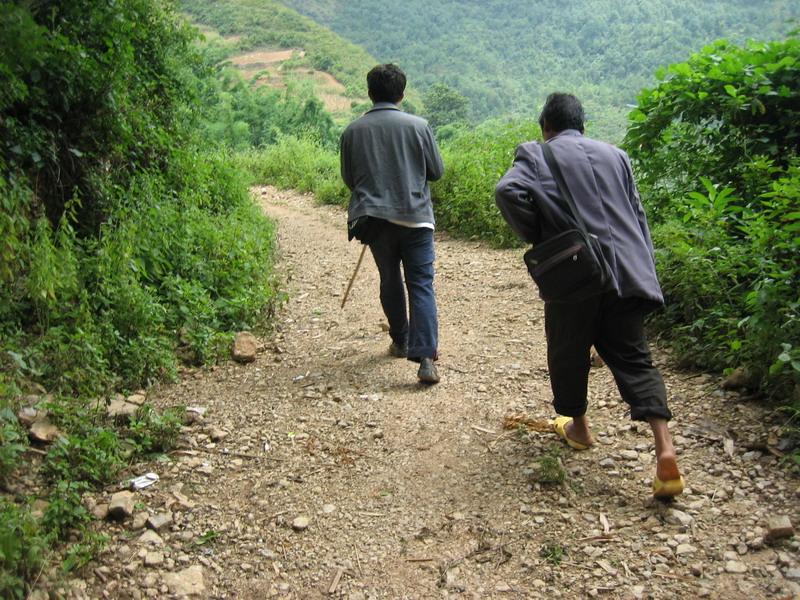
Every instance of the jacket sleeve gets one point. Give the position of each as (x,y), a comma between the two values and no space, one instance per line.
(513,196)
(434,167)
(344,162)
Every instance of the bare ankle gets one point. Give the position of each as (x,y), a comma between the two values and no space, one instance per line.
(579,430)
(667,466)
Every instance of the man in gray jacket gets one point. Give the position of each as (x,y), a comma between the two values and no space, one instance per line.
(387,159)
(600,180)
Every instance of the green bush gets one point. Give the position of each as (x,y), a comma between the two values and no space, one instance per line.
(475,160)
(123,236)
(724,114)
(715,145)
(151,431)
(65,510)
(93,458)
(22,549)
(300,163)
(13,441)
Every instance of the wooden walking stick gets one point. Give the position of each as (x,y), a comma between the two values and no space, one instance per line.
(355,272)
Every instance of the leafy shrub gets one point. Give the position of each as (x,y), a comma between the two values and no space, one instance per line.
(121,233)
(65,511)
(80,554)
(93,458)
(13,442)
(22,549)
(715,145)
(300,163)
(475,160)
(718,115)
(151,431)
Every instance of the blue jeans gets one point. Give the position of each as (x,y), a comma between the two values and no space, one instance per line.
(413,247)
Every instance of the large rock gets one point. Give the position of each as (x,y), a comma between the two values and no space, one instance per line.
(42,430)
(188,582)
(138,398)
(121,505)
(121,410)
(678,517)
(245,347)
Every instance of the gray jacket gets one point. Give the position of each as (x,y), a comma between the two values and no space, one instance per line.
(600,179)
(387,159)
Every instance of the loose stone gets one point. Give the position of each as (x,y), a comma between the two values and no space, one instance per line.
(121,505)
(300,523)
(779,527)
(735,566)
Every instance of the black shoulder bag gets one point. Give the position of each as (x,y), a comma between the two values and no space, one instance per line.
(568,267)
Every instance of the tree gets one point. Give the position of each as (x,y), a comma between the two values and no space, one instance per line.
(445,105)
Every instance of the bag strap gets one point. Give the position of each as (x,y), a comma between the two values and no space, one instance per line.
(551,161)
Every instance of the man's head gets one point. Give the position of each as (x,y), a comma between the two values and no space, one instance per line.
(561,111)
(386,83)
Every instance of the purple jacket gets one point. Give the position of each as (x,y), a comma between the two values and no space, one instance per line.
(600,179)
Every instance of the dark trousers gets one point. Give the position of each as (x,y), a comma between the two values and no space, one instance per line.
(412,248)
(615,326)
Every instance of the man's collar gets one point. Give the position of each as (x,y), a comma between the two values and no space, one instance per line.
(384,106)
(566,133)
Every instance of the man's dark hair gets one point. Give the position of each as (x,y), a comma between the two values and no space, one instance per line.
(386,83)
(562,111)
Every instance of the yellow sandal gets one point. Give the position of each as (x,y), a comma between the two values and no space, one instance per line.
(560,427)
(669,488)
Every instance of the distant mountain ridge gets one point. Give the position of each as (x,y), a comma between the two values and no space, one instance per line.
(506,55)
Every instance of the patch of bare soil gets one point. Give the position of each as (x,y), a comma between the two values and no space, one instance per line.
(269,64)
(323,469)
(263,58)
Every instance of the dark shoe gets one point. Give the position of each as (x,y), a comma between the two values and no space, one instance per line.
(427,371)
(398,351)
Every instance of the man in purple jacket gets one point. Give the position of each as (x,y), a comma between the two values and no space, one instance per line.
(601,182)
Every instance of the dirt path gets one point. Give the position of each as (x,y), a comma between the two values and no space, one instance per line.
(416,492)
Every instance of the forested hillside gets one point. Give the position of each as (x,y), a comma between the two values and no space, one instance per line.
(506,56)
(268,24)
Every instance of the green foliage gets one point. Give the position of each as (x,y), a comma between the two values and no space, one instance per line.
(553,552)
(208,537)
(506,57)
(445,106)
(90,90)
(715,146)
(151,431)
(91,458)
(475,159)
(13,442)
(65,511)
(549,469)
(22,549)
(241,115)
(303,164)
(123,236)
(726,114)
(266,23)
(80,554)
